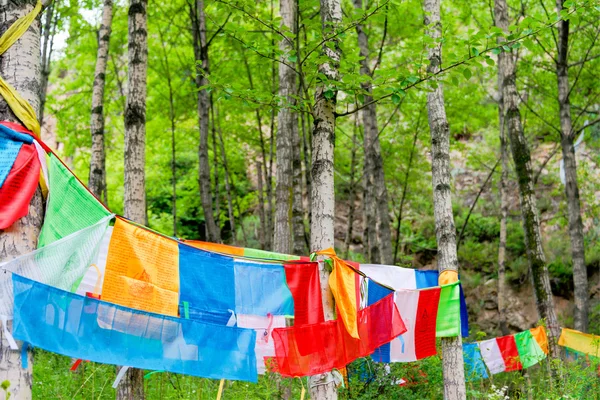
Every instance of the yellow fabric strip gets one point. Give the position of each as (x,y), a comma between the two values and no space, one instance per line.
(343,287)
(581,342)
(15,101)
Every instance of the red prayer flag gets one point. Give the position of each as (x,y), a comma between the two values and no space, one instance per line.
(510,354)
(425,324)
(303,281)
(19,186)
(317,348)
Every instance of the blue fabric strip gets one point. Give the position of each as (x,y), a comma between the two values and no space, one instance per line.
(90,329)
(14,135)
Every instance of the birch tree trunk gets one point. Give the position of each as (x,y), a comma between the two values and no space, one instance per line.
(132,385)
(580,278)
(503,216)
(261,206)
(97,181)
(287,124)
(452,357)
(20,67)
(202,71)
(299,242)
(376,197)
(228,184)
(352,198)
(322,387)
(522,159)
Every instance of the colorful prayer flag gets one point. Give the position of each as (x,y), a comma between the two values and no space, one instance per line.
(530,352)
(580,342)
(61,264)
(407,278)
(305,286)
(265,346)
(475,368)
(312,349)
(19,186)
(87,328)
(70,206)
(142,270)
(500,354)
(419,311)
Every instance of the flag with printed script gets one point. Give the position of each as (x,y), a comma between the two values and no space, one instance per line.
(515,352)
(61,264)
(83,327)
(407,278)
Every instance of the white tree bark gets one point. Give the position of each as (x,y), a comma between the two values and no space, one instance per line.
(132,385)
(503,217)
(322,387)
(287,128)
(135,114)
(580,278)
(522,158)
(97,180)
(20,67)
(452,357)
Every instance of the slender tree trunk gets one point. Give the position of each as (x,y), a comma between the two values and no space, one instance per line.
(49,29)
(306,156)
(217,194)
(376,198)
(172,119)
(322,386)
(580,278)
(202,71)
(97,180)
(132,385)
(20,67)
(297,205)
(261,206)
(503,216)
(228,183)
(287,129)
(404,191)
(452,357)
(522,159)
(352,199)
(267,222)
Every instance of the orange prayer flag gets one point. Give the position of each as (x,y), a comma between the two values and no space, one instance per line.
(142,270)
(343,286)
(539,334)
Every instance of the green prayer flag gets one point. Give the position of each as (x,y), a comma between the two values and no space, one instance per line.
(448,316)
(70,206)
(268,255)
(530,352)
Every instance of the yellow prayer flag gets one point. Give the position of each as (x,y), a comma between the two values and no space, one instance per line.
(142,270)
(581,342)
(343,286)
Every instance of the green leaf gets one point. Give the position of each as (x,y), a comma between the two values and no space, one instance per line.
(475,51)
(293,59)
(490,61)
(413,79)
(506,48)
(328,94)
(496,50)
(467,73)
(396,98)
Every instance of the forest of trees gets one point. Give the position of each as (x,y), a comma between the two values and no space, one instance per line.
(453,135)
